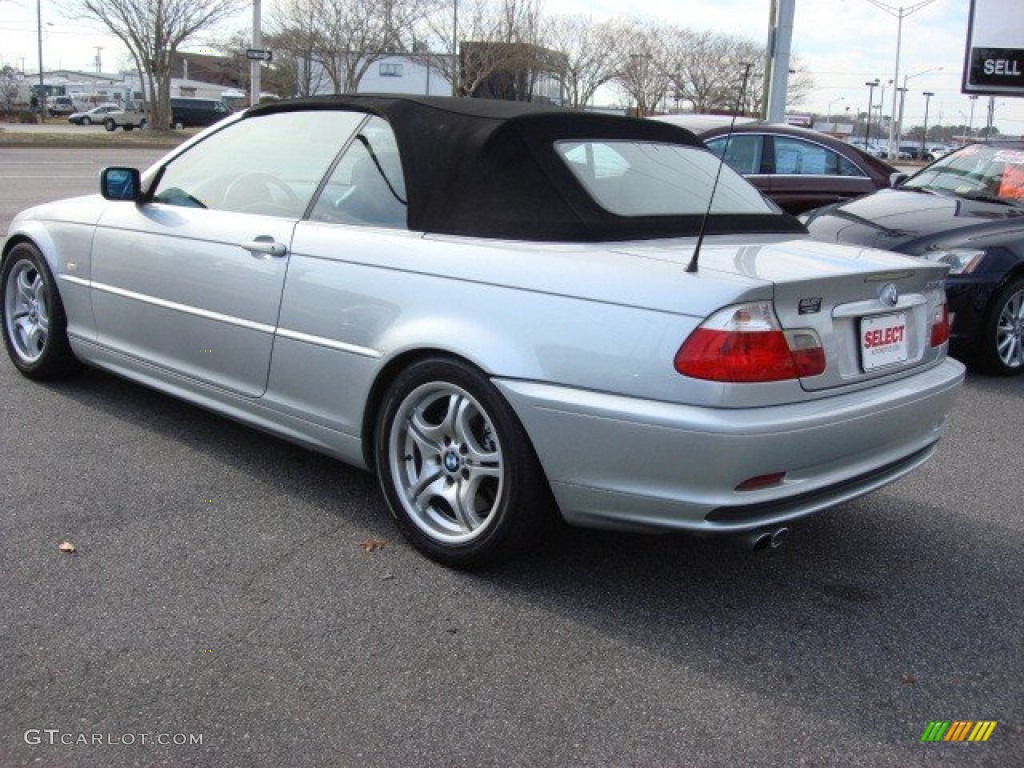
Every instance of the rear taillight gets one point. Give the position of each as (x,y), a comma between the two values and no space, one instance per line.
(940,326)
(745,343)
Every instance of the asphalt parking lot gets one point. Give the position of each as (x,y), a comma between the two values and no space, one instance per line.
(238,601)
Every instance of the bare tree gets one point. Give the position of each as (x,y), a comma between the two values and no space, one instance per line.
(641,73)
(332,44)
(293,34)
(153,31)
(589,54)
(801,83)
(703,70)
(350,36)
(495,37)
(9,79)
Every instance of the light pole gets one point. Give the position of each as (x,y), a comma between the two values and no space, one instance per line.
(903,94)
(927,100)
(455,47)
(254,65)
(42,87)
(900,13)
(899,125)
(970,122)
(871,84)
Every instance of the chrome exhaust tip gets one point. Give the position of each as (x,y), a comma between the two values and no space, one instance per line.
(778,537)
(757,541)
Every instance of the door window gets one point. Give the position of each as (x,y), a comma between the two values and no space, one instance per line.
(796,157)
(270,164)
(742,151)
(367,187)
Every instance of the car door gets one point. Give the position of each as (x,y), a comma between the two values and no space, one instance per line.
(191,280)
(807,175)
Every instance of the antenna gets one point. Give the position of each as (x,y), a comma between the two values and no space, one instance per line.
(692,266)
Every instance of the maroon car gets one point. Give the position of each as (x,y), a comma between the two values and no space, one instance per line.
(798,168)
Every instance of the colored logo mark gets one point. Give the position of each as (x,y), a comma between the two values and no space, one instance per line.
(958,730)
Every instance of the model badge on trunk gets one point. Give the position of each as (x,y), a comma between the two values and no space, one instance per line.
(810,306)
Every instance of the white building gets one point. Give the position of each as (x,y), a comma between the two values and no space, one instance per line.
(402,75)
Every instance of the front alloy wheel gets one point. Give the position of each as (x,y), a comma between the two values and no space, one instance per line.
(458,472)
(34,324)
(1004,333)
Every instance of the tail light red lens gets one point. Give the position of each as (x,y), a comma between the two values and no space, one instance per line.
(745,344)
(940,326)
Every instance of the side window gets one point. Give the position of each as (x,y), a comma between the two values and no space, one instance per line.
(269,165)
(803,158)
(743,154)
(846,168)
(367,187)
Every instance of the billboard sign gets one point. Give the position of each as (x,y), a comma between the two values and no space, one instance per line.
(994,62)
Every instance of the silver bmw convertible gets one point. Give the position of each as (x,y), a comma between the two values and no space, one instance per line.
(512,314)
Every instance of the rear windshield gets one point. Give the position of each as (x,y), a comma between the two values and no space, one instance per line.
(634,178)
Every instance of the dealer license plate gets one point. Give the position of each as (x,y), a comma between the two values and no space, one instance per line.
(883,340)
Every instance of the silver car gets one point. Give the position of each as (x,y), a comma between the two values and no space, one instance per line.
(508,312)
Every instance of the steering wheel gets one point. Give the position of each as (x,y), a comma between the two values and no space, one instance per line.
(240,192)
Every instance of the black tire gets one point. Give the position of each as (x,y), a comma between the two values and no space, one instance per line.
(33,319)
(1001,346)
(143,123)
(86,121)
(468,447)
(110,125)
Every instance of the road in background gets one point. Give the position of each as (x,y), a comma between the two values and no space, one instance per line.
(232,587)
(32,176)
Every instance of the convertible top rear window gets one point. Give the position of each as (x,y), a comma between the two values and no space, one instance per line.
(632,178)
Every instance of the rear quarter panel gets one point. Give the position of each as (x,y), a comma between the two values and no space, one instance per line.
(593,318)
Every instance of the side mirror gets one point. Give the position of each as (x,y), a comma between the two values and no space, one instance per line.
(121,184)
(896,179)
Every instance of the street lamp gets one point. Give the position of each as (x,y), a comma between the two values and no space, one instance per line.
(970,123)
(900,13)
(871,84)
(927,100)
(903,94)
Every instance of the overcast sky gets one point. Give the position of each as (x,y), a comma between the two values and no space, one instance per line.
(844,43)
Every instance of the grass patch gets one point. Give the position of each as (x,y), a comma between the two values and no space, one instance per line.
(92,139)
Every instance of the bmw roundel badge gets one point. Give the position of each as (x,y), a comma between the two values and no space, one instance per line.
(889,295)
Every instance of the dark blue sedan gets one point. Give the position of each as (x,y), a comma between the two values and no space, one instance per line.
(965,210)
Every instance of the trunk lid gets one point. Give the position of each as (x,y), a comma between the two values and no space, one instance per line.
(872,310)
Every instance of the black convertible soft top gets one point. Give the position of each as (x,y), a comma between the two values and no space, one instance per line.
(488,168)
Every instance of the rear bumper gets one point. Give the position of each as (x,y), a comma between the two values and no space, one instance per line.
(619,462)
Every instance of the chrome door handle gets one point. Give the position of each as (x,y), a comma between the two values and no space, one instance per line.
(265,244)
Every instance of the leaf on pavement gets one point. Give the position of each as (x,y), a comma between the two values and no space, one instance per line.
(68,547)
(371,545)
